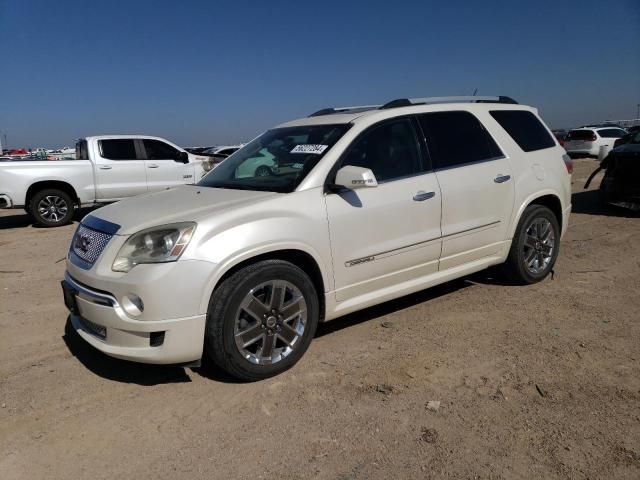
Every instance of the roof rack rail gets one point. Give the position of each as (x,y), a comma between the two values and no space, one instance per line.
(406,102)
(332,110)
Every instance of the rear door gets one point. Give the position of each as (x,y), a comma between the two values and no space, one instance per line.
(120,169)
(387,235)
(164,168)
(476,183)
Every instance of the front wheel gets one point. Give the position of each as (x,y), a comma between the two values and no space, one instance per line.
(51,208)
(535,246)
(261,320)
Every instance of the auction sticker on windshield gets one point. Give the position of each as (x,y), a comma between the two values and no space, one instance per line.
(316,149)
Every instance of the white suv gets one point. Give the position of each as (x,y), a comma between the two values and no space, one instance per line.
(587,141)
(367,204)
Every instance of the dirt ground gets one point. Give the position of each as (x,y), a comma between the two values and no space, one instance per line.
(533,382)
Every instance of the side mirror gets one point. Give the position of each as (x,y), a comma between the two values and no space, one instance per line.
(182,157)
(355,177)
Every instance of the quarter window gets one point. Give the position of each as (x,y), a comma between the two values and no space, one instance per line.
(389,150)
(456,138)
(525,129)
(118,149)
(157,150)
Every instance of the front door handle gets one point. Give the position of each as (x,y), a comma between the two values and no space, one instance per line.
(422,196)
(502,178)
(104,167)
(154,165)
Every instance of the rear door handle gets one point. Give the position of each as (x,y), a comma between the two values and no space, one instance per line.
(422,196)
(153,165)
(104,167)
(502,178)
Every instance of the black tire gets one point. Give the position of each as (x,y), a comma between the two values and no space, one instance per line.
(63,203)
(515,268)
(220,343)
(263,171)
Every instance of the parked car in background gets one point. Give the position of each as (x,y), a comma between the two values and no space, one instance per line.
(560,135)
(620,185)
(587,141)
(367,204)
(197,150)
(106,169)
(223,150)
(631,131)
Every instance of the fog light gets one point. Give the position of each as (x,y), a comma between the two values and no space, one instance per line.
(132,304)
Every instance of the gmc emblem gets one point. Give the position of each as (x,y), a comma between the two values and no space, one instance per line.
(82,243)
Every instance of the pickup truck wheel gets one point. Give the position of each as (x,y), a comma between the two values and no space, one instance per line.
(261,320)
(51,208)
(535,246)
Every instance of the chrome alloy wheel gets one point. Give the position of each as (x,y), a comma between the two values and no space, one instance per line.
(270,322)
(52,208)
(539,242)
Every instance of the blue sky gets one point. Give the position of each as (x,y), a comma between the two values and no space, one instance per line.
(207,72)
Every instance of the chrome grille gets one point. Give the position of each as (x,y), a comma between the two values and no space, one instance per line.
(88,243)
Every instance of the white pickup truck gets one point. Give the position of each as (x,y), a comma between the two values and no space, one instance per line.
(107,168)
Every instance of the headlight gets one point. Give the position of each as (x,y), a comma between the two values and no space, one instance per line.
(164,243)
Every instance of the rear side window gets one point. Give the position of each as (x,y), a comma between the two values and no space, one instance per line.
(82,152)
(117,149)
(611,133)
(157,150)
(456,138)
(525,129)
(581,135)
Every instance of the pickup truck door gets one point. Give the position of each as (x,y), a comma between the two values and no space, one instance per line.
(119,169)
(384,236)
(476,182)
(164,169)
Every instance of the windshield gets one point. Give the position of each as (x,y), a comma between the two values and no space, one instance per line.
(277,160)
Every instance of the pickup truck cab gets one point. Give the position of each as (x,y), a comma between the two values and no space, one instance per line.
(106,169)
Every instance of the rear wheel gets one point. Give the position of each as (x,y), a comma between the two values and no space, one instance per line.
(51,208)
(535,246)
(261,320)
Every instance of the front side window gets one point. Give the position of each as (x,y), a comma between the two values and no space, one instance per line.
(118,149)
(390,151)
(157,150)
(611,133)
(276,161)
(525,129)
(456,138)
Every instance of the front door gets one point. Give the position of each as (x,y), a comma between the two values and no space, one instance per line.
(119,170)
(476,183)
(386,235)
(163,168)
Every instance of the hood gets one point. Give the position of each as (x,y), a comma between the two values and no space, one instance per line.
(179,204)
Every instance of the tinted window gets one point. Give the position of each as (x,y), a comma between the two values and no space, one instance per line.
(389,150)
(611,133)
(157,150)
(117,149)
(455,138)
(525,129)
(82,152)
(581,135)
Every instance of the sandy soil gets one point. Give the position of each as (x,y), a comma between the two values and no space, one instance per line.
(533,382)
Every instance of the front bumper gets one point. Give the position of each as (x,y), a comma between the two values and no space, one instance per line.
(100,320)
